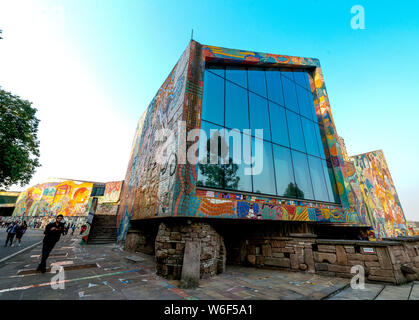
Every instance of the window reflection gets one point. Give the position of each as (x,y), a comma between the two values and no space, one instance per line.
(213,103)
(237,75)
(236,110)
(259,115)
(280,102)
(284,172)
(318,180)
(302,176)
(263,170)
(295,131)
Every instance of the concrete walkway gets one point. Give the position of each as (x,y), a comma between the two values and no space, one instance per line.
(30,237)
(409,291)
(107,272)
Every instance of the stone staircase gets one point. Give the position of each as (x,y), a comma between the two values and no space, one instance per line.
(103,229)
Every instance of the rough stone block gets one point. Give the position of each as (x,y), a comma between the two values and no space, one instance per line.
(381,272)
(260,260)
(294,261)
(303,267)
(354,256)
(191,264)
(326,248)
(309,260)
(251,258)
(356,263)
(278,255)
(349,249)
(175,236)
(341,257)
(384,259)
(278,262)
(372,264)
(278,244)
(383,279)
(339,268)
(266,251)
(321,266)
(369,257)
(324,257)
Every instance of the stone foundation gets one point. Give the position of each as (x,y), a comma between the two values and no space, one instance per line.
(383,261)
(139,240)
(170,246)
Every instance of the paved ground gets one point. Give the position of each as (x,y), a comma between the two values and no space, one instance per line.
(408,291)
(30,237)
(113,276)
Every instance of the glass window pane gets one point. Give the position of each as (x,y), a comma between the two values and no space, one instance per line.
(235,177)
(278,124)
(317,177)
(295,131)
(331,182)
(310,137)
(263,167)
(302,176)
(303,103)
(219,70)
(311,110)
(213,103)
(288,73)
(284,172)
(319,141)
(274,84)
(259,115)
(256,78)
(237,75)
(237,112)
(210,170)
(290,95)
(300,77)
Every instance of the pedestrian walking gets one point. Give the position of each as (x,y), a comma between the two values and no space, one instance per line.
(52,233)
(11,232)
(73,227)
(67,228)
(20,230)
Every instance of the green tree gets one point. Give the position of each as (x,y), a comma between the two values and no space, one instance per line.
(19,145)
(218,175)
(293,191)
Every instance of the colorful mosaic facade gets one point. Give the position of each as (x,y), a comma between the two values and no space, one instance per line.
(380,195)
(154,190)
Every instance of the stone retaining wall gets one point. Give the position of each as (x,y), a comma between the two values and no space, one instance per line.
(170,246)
(381,260)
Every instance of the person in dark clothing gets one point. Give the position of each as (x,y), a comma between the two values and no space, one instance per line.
(20,230)
(11,232)
(67,228)
(52,233)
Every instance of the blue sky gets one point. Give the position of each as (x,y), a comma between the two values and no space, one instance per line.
(92,67)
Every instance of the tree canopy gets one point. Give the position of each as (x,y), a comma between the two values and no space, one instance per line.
(19,145)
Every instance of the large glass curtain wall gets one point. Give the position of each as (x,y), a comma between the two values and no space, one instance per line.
(280,102)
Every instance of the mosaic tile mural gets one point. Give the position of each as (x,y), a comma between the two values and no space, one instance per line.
(69,198)
(380,194)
